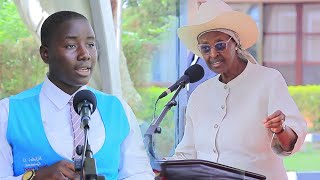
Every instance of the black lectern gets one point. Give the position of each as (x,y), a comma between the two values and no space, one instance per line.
(203,170)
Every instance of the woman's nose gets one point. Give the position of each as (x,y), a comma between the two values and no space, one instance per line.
(212,52)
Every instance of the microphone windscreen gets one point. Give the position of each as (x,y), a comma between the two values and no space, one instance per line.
(195,73)
(84,95)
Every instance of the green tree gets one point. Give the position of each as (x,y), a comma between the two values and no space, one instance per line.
(20,64)
(11,26)
(144,23)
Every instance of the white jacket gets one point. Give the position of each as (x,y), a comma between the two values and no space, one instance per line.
(224,122)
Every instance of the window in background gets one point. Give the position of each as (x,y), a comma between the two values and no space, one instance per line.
(280,22)
(291,43)
(291,38)
(311,43)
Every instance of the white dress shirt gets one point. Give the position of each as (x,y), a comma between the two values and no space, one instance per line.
(55,112)
(224,122)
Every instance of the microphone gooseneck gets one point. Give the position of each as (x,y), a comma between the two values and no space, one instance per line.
(85,103)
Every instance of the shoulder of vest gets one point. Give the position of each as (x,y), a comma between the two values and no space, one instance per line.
(97,91)
(28,93)
(100,93)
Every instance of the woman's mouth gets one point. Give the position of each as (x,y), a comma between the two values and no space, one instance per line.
(215,63)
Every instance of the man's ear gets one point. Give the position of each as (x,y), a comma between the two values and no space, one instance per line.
(44,54)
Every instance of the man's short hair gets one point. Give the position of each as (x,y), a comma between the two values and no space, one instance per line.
(50,25)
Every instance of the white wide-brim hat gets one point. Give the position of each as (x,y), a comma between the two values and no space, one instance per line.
(216,14)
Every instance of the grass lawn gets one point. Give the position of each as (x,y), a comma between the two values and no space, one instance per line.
(307,159)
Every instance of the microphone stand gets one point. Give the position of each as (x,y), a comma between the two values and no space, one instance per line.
(87,163)
(154,128)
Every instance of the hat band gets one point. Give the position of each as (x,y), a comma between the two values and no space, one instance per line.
(231,33)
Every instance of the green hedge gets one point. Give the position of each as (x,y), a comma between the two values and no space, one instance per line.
(307,99)
(20,66)
(146,110)
(164,142)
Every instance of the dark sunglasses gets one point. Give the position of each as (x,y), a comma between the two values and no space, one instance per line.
(218,47)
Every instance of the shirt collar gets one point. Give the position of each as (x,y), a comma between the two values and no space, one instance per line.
(241,77)
(58,97)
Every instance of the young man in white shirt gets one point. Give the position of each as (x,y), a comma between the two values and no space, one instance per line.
(36,140)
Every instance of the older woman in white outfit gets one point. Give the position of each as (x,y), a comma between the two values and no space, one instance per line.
(244,117)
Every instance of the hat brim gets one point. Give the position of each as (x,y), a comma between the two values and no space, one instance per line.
(236,21)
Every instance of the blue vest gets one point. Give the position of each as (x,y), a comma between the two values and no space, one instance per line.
(31,148)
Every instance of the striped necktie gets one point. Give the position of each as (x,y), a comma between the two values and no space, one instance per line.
(78,134)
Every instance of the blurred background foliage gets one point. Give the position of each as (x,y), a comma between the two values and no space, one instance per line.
(143,25)
(20,64)
(307,99)
(12,28)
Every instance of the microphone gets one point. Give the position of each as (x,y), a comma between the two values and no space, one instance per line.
(84,103)
(193,74)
